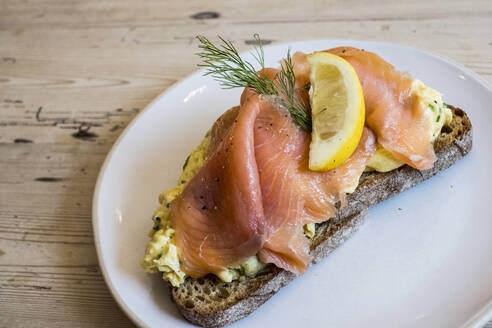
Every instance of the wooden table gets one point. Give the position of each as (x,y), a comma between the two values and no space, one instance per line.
(74,73)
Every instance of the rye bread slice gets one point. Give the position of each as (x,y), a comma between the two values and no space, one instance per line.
(209,302)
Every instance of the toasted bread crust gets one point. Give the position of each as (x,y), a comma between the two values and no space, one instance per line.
(210,302)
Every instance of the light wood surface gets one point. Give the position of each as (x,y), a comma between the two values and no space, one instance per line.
(74,73)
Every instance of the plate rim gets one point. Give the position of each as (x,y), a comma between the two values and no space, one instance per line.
(478,319)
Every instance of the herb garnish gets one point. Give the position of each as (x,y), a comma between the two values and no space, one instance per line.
(186,162)
(224,64)
(440,111)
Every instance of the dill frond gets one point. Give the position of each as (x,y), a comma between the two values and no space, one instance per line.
(224,64)
(286,81)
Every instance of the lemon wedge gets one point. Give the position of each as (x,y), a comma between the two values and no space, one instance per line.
(337,108)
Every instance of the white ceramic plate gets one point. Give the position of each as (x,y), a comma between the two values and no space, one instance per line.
(423,259)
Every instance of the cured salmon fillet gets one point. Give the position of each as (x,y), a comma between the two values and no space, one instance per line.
(292,194)
(218,217)
(255,191)
(392,111)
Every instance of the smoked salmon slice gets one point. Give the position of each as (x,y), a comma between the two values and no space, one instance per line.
(218,218)
(255,192)
(292,194)
(392,111)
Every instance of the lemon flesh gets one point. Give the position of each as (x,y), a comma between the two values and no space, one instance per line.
(337,108)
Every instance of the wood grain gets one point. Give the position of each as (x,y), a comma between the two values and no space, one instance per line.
(74,73)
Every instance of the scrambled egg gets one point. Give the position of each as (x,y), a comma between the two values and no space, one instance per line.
(309,230)
(161,254)
(248,268)
(435,111)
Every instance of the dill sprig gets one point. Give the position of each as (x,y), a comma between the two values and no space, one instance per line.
(286,82)
(224,64)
